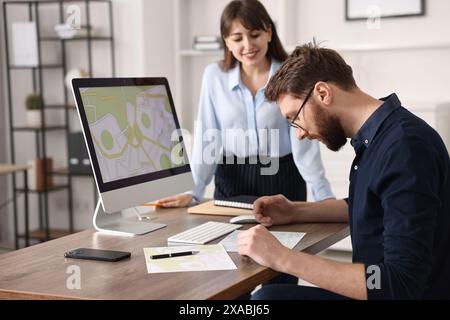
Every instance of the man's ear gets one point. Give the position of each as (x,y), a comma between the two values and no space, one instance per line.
(323,93)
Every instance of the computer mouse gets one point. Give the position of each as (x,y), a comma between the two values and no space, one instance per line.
(248,218)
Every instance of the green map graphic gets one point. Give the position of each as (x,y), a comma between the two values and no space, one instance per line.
(131,128)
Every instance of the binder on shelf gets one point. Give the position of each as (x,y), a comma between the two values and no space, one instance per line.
(207,46)
(24,44)
(36,177)
(79,162)
(206,38)
(207,42)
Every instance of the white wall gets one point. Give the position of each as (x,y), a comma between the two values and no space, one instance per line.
(144,43)
(325,19)
(159,51)
(129,33)
(419,72)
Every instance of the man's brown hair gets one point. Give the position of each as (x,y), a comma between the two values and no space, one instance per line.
(307,65)
(253,16)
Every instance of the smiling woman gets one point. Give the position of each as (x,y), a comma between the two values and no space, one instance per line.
(241,22)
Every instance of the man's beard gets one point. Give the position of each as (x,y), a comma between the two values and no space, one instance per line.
(330,130)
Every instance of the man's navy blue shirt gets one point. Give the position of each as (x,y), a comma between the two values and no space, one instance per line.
(399,205)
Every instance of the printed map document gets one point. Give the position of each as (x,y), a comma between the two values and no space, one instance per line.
(288,239)
(210,257)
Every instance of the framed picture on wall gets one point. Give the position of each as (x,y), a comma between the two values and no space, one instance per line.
(367,9)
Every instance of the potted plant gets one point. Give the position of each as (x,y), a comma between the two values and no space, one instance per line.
(34,104)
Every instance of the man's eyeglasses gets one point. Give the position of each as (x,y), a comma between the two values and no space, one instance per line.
(292,121)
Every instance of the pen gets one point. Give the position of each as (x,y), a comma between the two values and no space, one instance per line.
(175,254)
(151,204)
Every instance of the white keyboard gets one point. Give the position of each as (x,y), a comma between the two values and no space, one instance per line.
(204,233)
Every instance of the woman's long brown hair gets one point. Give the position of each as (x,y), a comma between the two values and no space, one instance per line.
(253,16)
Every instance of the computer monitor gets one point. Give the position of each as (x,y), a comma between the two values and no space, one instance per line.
(134,143)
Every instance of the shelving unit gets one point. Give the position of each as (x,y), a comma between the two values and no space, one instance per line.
(36,76)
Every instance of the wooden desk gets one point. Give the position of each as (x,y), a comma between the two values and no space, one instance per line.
(13,169)
(39,272)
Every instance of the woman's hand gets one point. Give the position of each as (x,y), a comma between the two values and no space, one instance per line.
(177,201)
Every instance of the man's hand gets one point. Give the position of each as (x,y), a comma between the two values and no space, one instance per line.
(260,245)
(272,210)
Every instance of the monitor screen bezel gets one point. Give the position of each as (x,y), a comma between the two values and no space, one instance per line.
(81,83)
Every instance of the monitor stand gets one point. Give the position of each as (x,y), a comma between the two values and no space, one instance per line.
(115,223)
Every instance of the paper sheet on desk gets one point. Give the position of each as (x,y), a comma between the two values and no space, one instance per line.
(210,257)
(288,239)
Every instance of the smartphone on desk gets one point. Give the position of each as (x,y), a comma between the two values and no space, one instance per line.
(97,254)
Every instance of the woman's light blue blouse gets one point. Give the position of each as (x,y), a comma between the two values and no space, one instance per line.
(226,103)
